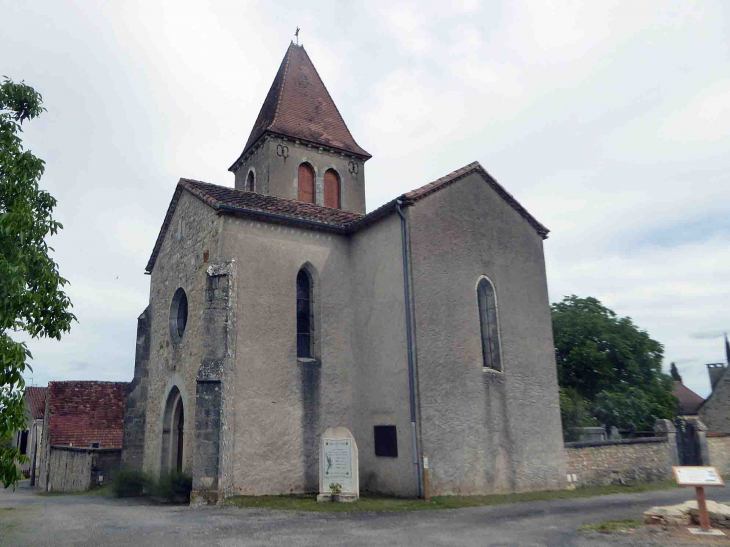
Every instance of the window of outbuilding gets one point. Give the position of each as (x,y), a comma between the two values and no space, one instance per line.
(306,183)
(489,322)
(250,181)
(24,442)
(332,189)
(304,314)
(178,315)
(386,441)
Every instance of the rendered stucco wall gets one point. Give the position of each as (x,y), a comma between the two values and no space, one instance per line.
(281,404)
(382,396)
(278,175)
(193,231)
(484,431)
(358,377)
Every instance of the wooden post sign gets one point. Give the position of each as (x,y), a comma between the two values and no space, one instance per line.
(699,477)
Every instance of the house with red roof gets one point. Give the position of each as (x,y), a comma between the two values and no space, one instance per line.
(280,307)
(688,402)
(83,427)
(28,440)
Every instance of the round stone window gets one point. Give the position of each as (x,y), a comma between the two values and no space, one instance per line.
(178,315)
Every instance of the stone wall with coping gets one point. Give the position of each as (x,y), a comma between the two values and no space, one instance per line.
(594,463)
(719,447)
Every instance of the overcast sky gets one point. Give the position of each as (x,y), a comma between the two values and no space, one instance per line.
(609,121)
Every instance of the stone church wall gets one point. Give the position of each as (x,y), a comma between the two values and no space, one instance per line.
(382,371)
(484,431)
(282,402)
(191,239)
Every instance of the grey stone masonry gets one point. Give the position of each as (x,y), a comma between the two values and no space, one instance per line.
(209,386)
(136,404)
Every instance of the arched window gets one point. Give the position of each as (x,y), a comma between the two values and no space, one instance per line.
(332,189)
(489,324)
(304,314)
(306,183)
(249,181)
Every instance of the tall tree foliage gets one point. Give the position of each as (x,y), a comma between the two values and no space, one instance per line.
(31,290)
(674,372)
(611,363)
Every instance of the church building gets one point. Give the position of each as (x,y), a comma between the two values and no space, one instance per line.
(279,308)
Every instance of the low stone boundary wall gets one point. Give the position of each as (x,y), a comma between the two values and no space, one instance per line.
(79,469)
(647,459)
(719,447)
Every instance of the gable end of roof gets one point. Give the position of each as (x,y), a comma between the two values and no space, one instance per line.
(451,178)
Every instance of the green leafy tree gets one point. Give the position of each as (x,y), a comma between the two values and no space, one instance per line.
(31,290)
(611,363)
(675,373)
(575,414)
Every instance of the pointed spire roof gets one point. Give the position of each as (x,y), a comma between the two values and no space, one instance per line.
(299,106)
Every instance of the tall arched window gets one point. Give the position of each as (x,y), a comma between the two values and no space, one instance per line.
(304,314)
(250,181)
(489,324)
(332,189)
(306,183)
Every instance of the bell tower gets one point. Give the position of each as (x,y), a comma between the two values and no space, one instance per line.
(300,147)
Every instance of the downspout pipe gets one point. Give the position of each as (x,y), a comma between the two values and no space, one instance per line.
(409,342)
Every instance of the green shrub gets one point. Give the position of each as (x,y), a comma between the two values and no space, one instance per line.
(174,486)
(129,482)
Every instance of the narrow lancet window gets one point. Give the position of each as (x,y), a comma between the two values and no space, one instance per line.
(489,325)
(306,183)
(250,181)
(331,189)
(304,315)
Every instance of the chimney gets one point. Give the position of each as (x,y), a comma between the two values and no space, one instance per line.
(715,370)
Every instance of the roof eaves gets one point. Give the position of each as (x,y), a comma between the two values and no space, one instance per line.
(281,219)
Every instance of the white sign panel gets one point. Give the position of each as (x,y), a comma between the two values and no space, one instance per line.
(337,464)
(697,476)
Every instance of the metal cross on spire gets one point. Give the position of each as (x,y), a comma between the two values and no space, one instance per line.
(296,34)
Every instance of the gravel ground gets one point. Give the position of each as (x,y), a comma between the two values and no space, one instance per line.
(27,519)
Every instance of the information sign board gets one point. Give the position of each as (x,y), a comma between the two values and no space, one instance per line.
(697,476)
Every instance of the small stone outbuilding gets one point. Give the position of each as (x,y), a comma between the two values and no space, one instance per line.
(279,308)
(82,437)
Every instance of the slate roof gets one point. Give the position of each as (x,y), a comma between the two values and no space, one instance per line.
(37,401)
(298,105)
(230,201)
(689,402)
(80,413)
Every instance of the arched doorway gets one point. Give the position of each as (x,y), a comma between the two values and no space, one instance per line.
(173,426)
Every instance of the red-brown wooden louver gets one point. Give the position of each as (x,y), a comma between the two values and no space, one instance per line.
(331,189)
(249,185)
(306,183)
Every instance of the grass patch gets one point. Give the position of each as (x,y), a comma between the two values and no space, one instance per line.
(372,504)
(608,526)
(105,490)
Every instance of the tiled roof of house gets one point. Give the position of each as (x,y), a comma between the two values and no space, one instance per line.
(298,105)
(689,402)
(227,200)
(37,401)
(81,413)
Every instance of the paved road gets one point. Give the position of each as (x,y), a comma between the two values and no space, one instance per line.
(85,521)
